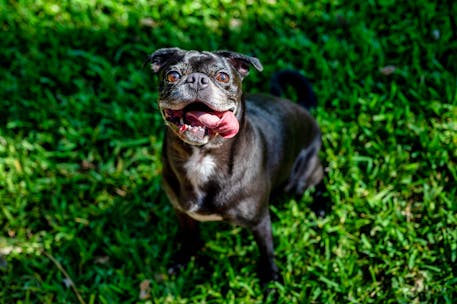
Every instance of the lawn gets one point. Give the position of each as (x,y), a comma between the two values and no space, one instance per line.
(83,217)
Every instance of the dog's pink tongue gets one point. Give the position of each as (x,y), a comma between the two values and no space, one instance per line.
(226,125)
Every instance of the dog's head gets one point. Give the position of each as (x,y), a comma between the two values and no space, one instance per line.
(200,92)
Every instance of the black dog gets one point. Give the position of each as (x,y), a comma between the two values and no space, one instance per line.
(224,154)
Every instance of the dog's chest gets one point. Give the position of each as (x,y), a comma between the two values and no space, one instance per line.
(199,168)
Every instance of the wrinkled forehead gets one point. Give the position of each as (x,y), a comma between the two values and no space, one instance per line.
(201,61)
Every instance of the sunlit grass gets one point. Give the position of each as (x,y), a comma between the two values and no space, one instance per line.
(82,210)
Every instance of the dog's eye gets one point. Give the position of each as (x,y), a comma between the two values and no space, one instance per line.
(222,77)
(173,76)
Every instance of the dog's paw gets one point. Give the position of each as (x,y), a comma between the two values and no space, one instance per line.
(267,277)
(182,257)
(271,295)
(175,268)
(271,289)
(178,262)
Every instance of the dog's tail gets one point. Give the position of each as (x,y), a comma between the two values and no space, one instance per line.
(305,94)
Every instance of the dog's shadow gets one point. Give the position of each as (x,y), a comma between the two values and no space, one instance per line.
(321,203)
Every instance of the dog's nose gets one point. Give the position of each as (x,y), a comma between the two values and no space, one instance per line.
(198,81)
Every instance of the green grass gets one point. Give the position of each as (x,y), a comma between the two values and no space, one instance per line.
(80,141)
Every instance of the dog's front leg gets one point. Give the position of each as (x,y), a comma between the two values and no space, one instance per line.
(268,271)
(188,241)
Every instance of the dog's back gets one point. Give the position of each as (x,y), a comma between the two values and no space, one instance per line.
(291,139)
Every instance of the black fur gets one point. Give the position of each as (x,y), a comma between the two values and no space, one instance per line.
(231,179)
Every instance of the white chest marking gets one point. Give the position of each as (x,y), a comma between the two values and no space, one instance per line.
(199,168)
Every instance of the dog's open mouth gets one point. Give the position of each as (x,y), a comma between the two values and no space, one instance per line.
(197,121)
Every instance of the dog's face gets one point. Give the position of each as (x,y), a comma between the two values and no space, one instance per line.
(200,92)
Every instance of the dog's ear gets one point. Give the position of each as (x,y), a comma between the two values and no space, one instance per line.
(160,57)
(241,62)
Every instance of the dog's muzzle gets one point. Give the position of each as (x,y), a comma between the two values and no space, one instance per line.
(198,123)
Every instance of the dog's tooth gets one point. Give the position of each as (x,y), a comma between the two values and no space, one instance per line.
(181,121)
(183,128)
